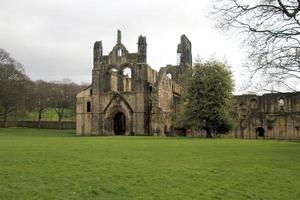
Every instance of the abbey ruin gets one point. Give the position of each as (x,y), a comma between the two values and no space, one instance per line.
(272,116)
(128,97)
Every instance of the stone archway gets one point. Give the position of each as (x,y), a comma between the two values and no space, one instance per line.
(260,132)
(119,123)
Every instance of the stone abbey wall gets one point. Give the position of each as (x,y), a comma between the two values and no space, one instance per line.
(127,96)
(272,116)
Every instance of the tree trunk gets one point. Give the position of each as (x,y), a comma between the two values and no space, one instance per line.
(208,133)
(6,111)
(60,120)
(60,114)
(5,120)
(40,117)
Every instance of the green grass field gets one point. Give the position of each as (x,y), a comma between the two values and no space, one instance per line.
(49,115)
(52,164)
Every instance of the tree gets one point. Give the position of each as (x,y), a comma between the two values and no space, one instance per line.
(41,98)
(272,31)
(14,87)
(63,96)
(208,99)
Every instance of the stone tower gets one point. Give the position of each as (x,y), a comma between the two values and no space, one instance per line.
(184,49)
(142,49)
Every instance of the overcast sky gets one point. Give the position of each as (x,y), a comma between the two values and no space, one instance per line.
(54,39)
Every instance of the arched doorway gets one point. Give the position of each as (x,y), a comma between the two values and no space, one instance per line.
(260,132)
(119,124)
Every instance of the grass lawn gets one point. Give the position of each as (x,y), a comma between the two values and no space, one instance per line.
(49,115)
(52,164)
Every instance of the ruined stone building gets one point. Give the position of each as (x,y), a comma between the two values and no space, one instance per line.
(127,96)
(272,116)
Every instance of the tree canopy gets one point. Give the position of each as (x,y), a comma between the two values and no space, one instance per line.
(208,99)
(272,33)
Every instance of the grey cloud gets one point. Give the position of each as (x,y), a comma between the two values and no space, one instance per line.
(53,39)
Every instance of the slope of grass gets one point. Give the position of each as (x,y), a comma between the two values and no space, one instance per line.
(50,164)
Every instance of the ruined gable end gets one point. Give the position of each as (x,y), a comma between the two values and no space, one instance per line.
(128,97)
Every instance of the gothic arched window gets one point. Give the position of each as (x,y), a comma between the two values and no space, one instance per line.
(119,52)
(127,79)
(253,104)
(169,75)
(113,79)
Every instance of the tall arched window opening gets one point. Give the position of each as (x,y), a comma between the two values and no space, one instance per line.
(119,52)
(127,79)
(88,106)
(169,75)
(114,79)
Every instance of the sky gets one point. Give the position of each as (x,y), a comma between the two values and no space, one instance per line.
(53,39)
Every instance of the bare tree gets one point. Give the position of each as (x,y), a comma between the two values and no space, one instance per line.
(41,98)
(63,97)
(272,31)
(14,87)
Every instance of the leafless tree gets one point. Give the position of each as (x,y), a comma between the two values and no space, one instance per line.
(63,96)
(272,31)
(14,87)
(41,98)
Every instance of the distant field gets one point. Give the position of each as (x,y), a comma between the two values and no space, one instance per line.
(51,164)
(49,115)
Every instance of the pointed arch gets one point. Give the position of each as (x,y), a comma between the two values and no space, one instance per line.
(128,76)
(117,98)
(118,104)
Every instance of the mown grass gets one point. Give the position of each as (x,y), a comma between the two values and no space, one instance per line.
(51,164)
(49,115)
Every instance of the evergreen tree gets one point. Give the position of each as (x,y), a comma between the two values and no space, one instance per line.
(208,99)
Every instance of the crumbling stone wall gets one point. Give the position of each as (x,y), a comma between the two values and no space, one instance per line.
(84,116)
(148,100)
(272,116)
(145,100)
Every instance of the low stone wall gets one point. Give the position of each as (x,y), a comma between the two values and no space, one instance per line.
(44,124)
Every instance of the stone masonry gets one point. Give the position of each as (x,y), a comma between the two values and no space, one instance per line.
(127,96)
(272,116)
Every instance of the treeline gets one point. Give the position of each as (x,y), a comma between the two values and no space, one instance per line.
(19,95)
